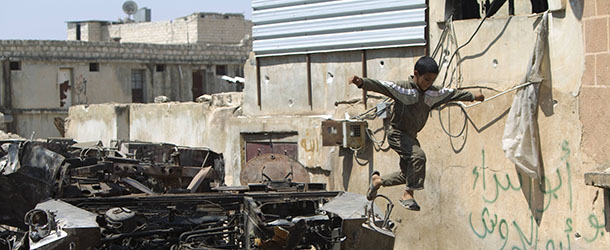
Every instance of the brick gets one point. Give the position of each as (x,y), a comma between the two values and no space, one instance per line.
(596,35)
(602,69)
(603,7)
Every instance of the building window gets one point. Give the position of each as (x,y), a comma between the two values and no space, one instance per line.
(462,9)
(239,71)
(78,31)
(221,70)
(94,67)
(160,67)
(15,65)
(137,85)
(539,6)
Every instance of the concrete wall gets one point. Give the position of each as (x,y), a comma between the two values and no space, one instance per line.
(37,124)
(98,122)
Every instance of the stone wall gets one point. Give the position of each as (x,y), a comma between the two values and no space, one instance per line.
(596,82)
(69,51)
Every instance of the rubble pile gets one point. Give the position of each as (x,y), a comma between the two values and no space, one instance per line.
(59,194)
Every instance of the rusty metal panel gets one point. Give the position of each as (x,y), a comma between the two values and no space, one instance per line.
(254,149)
(275,167)
(64,83)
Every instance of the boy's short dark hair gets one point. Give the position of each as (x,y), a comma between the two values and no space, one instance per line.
(425,65)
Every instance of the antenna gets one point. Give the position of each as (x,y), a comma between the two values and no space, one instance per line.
(130,8)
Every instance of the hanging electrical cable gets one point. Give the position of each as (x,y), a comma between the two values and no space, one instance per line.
(462,46)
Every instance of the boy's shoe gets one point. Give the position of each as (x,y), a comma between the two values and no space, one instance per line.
(410,204)
(372,192)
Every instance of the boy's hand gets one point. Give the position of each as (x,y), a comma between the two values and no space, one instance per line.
(479,97)
(356,81)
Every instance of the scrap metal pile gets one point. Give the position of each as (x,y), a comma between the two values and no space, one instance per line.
(58,194)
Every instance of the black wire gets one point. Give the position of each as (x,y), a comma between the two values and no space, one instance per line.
(479,87)
(443,126)
(462,46)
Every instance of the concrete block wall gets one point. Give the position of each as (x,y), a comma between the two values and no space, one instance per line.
(178,31)
(203,28)
(67,51)
(595,90)
(222,28)
(93,32)
(71,32)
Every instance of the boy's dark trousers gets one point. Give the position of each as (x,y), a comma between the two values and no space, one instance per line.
(412,162)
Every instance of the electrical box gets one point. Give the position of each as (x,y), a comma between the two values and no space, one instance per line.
(332,133)
(382,110)
(344,133)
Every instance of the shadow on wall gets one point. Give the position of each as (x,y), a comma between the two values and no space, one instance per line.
(362,158)
(533,191)
(577,7)
(493,42)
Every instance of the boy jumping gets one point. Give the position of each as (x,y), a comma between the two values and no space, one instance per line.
(414,99)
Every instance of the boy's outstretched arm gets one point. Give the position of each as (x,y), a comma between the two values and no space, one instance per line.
(451,95)
(389,89)
(356,81)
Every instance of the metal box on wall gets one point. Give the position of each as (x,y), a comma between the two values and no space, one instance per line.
(332,133)
(345,133)
(354,134)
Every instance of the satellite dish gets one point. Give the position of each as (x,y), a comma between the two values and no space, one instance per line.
(130,7)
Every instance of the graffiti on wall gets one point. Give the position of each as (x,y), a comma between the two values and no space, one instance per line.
(495,224)
(80,90)
(310,145)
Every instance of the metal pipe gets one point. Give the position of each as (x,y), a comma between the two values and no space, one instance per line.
(186,234)
(309,90)
(258,82)
(364,74)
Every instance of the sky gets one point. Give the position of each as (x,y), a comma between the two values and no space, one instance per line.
(46,19)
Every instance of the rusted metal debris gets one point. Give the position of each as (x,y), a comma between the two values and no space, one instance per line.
(267,167)
(138,195)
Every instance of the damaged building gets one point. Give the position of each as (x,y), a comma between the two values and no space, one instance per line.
(525,169)
(121,62)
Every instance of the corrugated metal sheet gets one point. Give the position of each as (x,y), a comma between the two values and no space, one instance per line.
(300,26)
